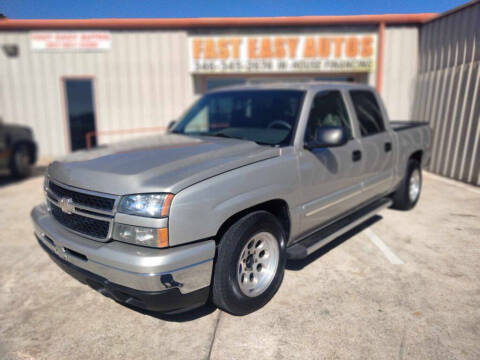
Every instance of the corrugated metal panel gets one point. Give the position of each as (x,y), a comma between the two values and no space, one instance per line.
(447,92)
(143,81)
(400,69)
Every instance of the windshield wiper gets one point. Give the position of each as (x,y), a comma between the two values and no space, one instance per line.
(228,136)
(223,135)
(220,134)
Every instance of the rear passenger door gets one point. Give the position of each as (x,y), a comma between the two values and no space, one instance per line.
(376,143)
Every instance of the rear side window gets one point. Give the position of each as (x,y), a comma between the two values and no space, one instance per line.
(368,112)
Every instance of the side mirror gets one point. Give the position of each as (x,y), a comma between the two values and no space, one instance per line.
(171,125)
(328,136)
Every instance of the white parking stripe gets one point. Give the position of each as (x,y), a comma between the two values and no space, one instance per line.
(394,259)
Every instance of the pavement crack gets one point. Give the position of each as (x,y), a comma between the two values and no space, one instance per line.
(214,334)
(401,349)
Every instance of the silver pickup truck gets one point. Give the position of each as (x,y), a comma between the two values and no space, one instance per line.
(249,177)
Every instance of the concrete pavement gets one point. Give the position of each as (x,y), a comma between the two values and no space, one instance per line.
(348,301)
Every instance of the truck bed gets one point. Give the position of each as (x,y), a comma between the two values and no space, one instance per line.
(403,125)
(413,137)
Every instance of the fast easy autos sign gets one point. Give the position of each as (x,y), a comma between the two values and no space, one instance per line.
(70,41)
(283,53)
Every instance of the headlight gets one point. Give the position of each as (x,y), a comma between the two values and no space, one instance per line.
(149,205)
(141,235)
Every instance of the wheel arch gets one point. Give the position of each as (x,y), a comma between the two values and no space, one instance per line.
(417,155)
(277,207)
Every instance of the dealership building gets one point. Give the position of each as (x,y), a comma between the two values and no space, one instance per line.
(77,82)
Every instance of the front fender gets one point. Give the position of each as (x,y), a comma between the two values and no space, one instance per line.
(199,211)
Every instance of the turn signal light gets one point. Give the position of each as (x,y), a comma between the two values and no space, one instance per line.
(162,237)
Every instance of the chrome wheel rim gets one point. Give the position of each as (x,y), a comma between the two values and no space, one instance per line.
(414,185)
(258,264)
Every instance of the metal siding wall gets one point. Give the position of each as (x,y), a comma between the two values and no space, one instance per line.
(143,81)
(400,64)
(447,92)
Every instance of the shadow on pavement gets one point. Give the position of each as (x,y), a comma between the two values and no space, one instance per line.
(297,265)
(7,179)
(188,315)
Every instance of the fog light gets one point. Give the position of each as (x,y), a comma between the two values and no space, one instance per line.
(141,235)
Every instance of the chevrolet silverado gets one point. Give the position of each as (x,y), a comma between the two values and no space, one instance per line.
(249,177)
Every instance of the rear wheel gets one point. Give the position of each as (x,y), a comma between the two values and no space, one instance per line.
(21,162)
(250,263)
(408,192)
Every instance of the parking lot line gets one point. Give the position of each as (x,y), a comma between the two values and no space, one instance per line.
(389,254)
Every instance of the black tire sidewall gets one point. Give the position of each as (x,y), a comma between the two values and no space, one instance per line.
(402,198)
(17,171)
(232,243)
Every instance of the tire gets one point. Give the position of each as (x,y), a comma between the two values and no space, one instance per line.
(21,162)
(237,264)
(406,197)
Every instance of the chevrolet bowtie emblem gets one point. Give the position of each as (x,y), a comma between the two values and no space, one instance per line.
(66,204)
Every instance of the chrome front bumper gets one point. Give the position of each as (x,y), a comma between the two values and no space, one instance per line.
(187,268)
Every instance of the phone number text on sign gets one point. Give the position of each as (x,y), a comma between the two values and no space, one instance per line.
(345,65)
(70,40)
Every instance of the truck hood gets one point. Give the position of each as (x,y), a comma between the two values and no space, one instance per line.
(165,163)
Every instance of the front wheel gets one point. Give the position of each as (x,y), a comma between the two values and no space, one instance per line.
(250,263)
(408,192)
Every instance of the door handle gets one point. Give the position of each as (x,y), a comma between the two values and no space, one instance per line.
(356,155)
(388,147)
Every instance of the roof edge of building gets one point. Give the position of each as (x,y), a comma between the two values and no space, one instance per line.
(183,23)
(454,10)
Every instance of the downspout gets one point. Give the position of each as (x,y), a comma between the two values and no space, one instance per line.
(381,41)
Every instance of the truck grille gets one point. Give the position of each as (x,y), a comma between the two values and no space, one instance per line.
(89,213)
(81,224)
(88,200)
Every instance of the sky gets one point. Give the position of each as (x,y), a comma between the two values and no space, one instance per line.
(62,9)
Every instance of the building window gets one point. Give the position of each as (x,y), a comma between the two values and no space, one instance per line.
(213,83)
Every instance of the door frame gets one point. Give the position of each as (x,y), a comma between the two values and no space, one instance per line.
(64,105)
(369,182)
(354,191)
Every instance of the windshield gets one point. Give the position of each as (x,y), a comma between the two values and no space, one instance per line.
(264,116)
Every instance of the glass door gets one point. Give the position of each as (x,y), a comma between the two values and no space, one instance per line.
(80,112)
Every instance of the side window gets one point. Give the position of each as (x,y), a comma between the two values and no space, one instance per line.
(328,109)
(368,112)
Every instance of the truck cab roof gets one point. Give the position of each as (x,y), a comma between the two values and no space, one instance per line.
(300,85)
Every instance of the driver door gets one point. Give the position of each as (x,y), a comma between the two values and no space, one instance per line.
(331,177)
